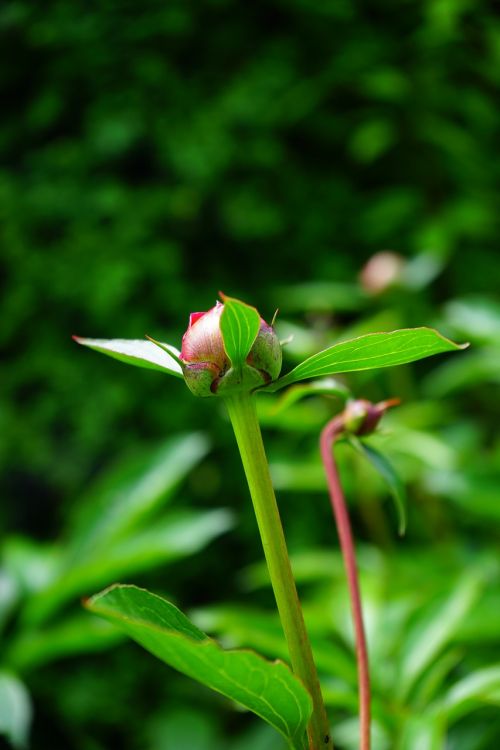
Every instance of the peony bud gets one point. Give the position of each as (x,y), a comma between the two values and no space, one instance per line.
(361,417)
(207,368)
(382,271)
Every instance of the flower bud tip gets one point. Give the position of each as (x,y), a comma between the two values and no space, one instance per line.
(207,368)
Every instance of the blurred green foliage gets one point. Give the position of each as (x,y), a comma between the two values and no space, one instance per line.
(154,153)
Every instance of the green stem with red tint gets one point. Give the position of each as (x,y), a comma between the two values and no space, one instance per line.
(243,415)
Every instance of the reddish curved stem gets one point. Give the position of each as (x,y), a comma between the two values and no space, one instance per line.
(328,437)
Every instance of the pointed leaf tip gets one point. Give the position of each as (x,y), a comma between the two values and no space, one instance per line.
(137,352)
(369,352)
(169,349)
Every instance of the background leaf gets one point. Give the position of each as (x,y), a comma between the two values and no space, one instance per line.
(136,352)
(15,710)
(433,629)
(370,352)
(479,687)
(176,536)
(389,474)
(133,491)
(112,531)
(325,386)
(268,689)
(425,732)
(239,326)
(75,635)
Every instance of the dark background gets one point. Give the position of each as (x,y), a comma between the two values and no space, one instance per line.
(154,153)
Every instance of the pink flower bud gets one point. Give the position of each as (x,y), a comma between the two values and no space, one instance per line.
(361,417)
(207,368)
(382,271)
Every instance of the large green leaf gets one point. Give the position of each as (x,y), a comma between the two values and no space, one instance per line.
(239,325)
(370,352)
(136,352)
(269,689)
(15,710)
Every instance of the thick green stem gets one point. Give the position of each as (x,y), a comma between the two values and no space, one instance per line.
(243,415)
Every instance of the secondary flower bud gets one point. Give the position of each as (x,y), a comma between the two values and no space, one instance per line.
(207,368)
(361,417)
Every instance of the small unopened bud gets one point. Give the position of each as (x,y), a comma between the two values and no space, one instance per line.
(382,271)
(361,417)
(206,366)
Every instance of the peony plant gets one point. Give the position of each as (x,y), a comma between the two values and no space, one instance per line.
(231,352)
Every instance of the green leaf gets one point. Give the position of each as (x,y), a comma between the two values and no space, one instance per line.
(269,689)
(137,352)
(473,370)
(434,629)
(370,352)
(74,636)
(433,680)
(323,387)
(113,530)
(389,474)
(346,735)
(239,325)
(427,731)
(246,627)
(172,538)
(482,686)
(319,296)
(15,710)
(185,727)
(10,592)
(129,494)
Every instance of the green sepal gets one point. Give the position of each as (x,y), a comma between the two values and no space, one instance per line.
(239,325)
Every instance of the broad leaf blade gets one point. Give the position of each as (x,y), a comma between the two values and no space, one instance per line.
(269,689)
(369,352)
(389,474)
(239,326)
(136,352)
